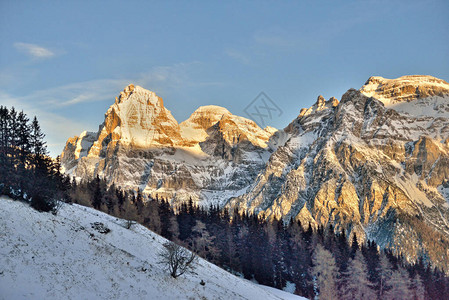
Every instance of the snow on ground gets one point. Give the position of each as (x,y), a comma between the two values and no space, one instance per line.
(444,192)
(43,256)
(279,293)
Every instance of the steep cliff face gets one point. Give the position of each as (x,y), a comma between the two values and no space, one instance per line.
(141,145)
(139,119)
(374,164)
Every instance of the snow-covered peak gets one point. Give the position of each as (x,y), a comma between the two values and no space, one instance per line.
(405,88)
(193,130)
(415,95)
(138,117)
(212,110)
(133,93)
(233,128)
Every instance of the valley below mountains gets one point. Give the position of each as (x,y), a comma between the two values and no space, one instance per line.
(375,163)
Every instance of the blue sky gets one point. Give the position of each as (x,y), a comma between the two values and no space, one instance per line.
(65,61)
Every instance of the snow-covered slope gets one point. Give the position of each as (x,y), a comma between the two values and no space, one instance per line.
(43,256)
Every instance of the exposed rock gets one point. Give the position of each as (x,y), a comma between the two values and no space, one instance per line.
(76,148)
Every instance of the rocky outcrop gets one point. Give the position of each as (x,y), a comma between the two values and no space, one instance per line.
(76,148)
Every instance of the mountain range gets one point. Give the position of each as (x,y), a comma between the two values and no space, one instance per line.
(375,163)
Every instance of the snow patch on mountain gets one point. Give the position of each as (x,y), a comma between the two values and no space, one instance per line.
(435,107)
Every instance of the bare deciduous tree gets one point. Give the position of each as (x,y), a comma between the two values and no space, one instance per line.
(203,242)
(357,285)
(324,273)
(177,259)
(129,214)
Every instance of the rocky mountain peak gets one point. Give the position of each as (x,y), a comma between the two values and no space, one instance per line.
(127,91)
(232,127)
(333,101)
(405,88)
(138,117)
(320,101)
(205,116)
(320,105)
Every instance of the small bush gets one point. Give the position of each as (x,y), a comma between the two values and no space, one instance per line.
(177,259)
(42,203)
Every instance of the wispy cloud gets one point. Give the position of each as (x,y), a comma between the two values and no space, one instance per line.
(34,50)
(78,93)
(174,77)
(237,55)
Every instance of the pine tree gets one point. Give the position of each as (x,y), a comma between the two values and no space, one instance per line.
(399,286)
(384,274)
(419,291)
(12,177)
(354,245)
(23,137)
(5,167)
(12,129)
(37,143)
(324,272)
(165,214)
(97,193)
(356,283)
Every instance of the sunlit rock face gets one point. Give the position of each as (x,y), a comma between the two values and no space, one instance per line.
(139,119)
(210,156)
(405,88)
(376,164)
(76,148)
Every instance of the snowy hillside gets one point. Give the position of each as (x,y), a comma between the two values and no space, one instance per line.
(43,256)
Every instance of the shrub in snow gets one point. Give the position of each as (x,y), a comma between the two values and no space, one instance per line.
(178,260)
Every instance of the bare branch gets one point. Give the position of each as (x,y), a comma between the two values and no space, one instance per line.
(177,259)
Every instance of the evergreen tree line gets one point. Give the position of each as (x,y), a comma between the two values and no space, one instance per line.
(319,262)
(26,171)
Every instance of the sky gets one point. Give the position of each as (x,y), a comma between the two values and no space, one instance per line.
(66,61)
